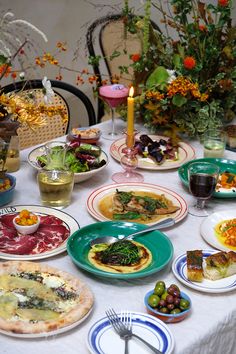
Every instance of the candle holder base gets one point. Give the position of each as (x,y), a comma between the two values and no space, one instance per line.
(129,162)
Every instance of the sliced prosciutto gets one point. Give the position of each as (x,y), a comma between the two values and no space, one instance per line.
(50,235)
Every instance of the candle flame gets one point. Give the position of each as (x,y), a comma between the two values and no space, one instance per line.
(131,91)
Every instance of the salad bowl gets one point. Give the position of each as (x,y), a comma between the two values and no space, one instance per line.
(100,158)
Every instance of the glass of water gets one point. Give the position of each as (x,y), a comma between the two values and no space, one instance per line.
(214,143)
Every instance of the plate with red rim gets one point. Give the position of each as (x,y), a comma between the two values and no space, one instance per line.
(98,194)
(185,151)
(61,218)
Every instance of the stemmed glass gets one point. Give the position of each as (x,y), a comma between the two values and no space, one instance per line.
(129,162)
(203,177)
(113,95)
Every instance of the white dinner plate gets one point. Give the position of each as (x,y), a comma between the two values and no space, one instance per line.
(208,225)
(97,195)
(179,268)
(186,153)
(103,340)
(68,221)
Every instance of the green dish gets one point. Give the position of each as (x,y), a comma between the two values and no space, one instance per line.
(225,165)
(78,246)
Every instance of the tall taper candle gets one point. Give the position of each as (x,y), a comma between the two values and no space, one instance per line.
(130,119)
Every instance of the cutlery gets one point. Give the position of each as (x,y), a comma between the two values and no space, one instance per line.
(110,239)
(125,331)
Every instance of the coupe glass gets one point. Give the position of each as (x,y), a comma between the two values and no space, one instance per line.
(203,177)
(113,95)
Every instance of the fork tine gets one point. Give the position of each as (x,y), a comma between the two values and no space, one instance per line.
(117,319)
(114,320)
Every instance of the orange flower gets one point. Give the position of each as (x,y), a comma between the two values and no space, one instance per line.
(223,3)
(135,57)
(189,63)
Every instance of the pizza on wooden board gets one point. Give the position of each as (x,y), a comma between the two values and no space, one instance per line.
(36,298)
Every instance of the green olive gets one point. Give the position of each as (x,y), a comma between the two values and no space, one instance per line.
(164,295)
(175,311)
(153,300)
(160,283)
(184,304)
(164,310)
(159,289)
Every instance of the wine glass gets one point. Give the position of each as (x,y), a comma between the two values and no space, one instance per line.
(113,95)
(203,177)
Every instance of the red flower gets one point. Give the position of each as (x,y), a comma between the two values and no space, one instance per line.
(135,57)
(202,28)
(189,63)
(223,3)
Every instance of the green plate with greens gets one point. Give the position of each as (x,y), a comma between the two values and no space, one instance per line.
(224,164)
(78,246)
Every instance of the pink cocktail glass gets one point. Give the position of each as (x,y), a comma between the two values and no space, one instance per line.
(113,95)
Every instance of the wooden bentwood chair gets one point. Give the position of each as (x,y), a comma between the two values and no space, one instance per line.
(55,127)
(106,34)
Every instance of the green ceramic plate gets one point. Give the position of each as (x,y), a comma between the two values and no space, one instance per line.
(225,165)
(78,247)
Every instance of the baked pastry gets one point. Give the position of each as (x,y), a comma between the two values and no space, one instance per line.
(194,265)
(220,265)
(231,135)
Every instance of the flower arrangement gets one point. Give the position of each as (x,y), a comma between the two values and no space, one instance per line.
(187,83)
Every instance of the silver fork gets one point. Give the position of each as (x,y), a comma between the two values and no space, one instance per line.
(125,331)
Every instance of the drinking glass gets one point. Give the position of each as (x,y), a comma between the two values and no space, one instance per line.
(214,143)
(203,177)
(113,95)
(55,187)
(56,153)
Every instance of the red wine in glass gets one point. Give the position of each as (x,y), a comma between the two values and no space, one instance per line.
(202,185)
(203,177)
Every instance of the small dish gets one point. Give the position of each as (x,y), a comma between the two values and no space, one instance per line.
(168,317)
(7,195)
(85,135)
(26,229)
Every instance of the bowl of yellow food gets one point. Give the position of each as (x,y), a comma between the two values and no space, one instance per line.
(26,223)
(7,188)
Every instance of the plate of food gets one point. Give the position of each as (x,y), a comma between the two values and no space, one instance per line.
(155,152)
(123,259)
(47,241)
(40,300)
(219,230)
(139,202)
(101,336)
(226,184)
(206,270)
(85,160)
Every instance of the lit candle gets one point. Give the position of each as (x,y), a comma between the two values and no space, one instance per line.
(130,118)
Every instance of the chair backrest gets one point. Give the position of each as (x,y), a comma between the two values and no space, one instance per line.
(109,30)
(55,127)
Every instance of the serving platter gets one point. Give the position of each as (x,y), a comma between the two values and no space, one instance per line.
(78,247)
(186,153)
(102,338)
(207,228)
(97,195)
(179,268)
(224,164)
(67,221)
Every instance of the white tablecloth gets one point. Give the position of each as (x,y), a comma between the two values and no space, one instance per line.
(211,326)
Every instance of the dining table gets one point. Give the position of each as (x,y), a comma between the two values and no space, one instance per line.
(210,327)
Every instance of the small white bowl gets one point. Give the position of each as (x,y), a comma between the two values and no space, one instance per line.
(26,230)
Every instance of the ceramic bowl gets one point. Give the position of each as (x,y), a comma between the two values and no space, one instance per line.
(26,230)
(168,318)
(7,195)
(83,176)
(85,135)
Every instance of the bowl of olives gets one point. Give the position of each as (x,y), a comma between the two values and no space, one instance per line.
(169,304)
